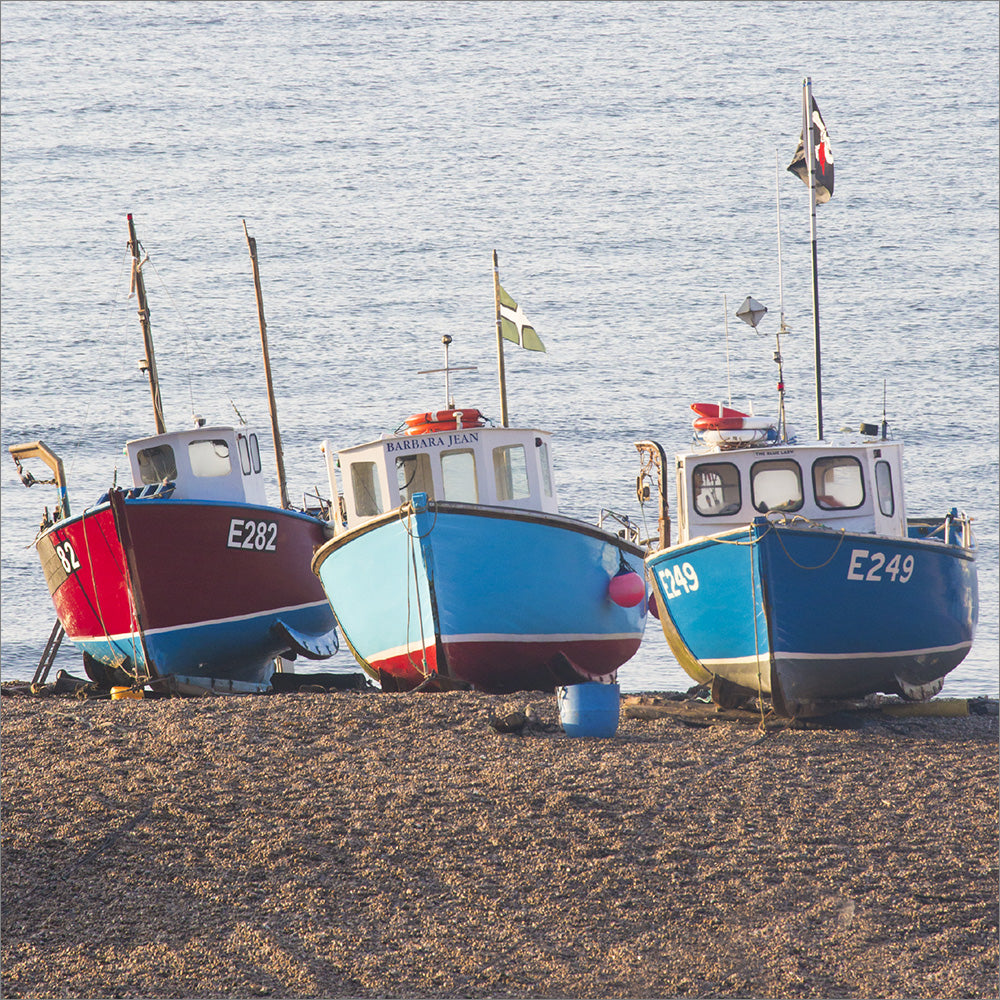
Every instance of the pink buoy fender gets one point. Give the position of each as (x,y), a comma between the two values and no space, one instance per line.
(627,589)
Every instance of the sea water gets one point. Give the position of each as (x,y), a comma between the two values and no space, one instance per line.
(626,161)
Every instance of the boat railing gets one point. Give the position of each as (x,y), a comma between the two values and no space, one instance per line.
(627,528)
(318,506)
(953,529)
(154,491)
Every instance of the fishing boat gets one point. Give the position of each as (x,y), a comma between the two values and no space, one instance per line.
(452,566)
(188,579)
(797,574)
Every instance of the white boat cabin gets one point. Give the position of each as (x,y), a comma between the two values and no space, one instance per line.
(203,463)
(856,487)
(489,466)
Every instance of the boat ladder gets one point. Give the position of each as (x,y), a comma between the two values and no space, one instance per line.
(49,654)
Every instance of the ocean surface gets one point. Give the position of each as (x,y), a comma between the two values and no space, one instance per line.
(626,161)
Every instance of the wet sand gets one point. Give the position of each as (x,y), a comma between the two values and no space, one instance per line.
(359,844)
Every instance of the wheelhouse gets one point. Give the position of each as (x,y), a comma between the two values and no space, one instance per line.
(858,487)
(486,466)
(204,463)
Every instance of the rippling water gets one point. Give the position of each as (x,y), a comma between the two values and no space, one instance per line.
(620,158)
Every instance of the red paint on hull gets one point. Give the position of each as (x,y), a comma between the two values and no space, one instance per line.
(503,667)
(185,569)
(92,598)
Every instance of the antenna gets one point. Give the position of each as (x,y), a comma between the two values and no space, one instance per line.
(729,380)
(781,286)
(752,312)
(449,401)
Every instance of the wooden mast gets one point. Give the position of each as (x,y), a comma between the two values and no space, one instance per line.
(271,404)
(503,377)
(148,364)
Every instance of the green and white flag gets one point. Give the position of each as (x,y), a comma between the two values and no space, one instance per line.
(514,324)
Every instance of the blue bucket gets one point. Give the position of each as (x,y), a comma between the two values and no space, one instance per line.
(589,709)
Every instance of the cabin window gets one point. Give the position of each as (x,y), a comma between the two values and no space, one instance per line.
(364,486)
(511,472)
(543,459)
(458,474)
(244,448)
(156,465)
(249,453)
(838,483)
(776,485)
(209,459)
(716,489)
(883,486)
(413,475)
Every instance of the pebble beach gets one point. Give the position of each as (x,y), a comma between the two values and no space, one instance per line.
(366,844)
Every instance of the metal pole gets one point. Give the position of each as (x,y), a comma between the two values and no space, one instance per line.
(782,423)
(810,151)
(503,377)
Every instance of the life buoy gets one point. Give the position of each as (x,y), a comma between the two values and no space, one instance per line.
(443,420)
(716,410)
(718,423)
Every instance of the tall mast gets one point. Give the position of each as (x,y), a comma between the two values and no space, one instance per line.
(272,406)
(782,423)
(503,377)
(810,151)
(148,364)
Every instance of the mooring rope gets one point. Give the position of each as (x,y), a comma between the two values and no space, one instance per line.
(420,667)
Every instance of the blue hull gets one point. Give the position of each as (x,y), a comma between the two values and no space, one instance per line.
(472,596)
(238,649)
(808,615)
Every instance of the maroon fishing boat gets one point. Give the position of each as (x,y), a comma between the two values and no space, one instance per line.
(189,574)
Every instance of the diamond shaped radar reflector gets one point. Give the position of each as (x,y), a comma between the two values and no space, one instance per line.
(751,311)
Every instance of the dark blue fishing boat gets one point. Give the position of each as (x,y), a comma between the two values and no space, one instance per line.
(797,574)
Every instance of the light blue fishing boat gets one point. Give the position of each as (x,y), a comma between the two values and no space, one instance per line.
(797,574)
(451,566)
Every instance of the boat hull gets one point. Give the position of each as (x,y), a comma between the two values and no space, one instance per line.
(153,587)
(459,595)
(808,616)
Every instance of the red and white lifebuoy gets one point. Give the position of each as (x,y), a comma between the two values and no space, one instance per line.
(443,420)
(715,417)
(718,423)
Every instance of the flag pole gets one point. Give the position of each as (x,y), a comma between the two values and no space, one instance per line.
(503,377)
(810,151)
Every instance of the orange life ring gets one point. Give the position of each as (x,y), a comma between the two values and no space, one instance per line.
(718,423)
(443,420)
(716,410)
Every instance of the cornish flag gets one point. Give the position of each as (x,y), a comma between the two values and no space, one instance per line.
(823,167)
(514,324)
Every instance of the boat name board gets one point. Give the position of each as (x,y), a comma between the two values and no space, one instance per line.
(677,578)
(250,534)
(67,556)
(864,565)
(425,441)
(898,568)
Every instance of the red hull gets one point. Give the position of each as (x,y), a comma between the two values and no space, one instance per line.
(541,666)
(166,567)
